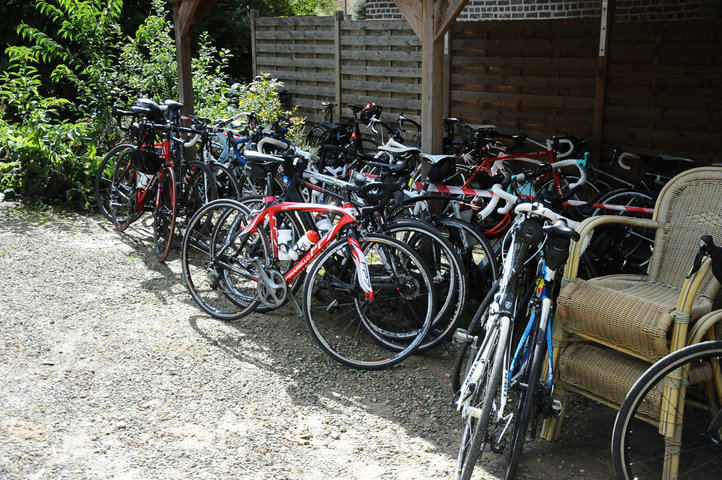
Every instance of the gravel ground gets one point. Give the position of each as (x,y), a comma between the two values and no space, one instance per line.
(108,370)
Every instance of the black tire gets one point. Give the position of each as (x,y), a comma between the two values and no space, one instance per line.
(628,248)
(477,254)
(226,185)
(529,385)
(123,200)
(347,325)
(638,448)
(474,433)
(164,213)
(219,264)
(317,136)
(255,204)
(447,271)
(468,349)
(104,177)
(197,187)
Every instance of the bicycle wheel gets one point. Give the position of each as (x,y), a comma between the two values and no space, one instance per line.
(198,188)
(255,204)
(104,177)
(122,202)
(448,275)
(317,136)
(226,184)
(531,387)
(351,328)
(640,451)
(220,266)
(482,400)
(477,254)
(622,248)
(164,213)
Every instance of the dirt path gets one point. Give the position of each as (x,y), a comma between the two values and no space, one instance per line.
(107,370)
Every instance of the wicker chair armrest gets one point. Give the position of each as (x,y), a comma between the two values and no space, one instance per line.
(586,229)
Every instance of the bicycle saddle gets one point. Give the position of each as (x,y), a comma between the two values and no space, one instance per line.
(395,147)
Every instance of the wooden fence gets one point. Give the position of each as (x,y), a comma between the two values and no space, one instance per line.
(660,83)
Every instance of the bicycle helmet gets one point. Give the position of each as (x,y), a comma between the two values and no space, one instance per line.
(369,111)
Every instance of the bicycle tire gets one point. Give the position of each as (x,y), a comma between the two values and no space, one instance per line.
(218,266)
(104,178)
(255,203)
(638,447)
(164,213)
(527,400)
(477,254)
(632,245)
(476,432)
(123,201)
(447,271)
(226,184)
(338,315)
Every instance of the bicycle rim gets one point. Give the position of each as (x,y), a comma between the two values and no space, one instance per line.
(638,448)
(354,330)
(164,214)
(219,265)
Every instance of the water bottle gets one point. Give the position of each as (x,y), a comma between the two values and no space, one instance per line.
(143,180)
(323,224)
(303,244)
(285,242)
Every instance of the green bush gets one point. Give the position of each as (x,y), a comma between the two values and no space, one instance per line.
(57,93)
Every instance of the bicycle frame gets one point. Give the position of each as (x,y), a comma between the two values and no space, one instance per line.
(346,217)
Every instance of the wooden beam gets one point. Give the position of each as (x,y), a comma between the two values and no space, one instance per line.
(183,59)
(184,15)
(607,20)
(432,82)
(446,13)
(411,10)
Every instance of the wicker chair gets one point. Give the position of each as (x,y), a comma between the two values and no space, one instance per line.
(608,330)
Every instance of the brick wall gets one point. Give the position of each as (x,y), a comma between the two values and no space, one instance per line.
(626,10)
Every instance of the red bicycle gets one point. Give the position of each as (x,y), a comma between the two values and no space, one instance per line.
(367,301)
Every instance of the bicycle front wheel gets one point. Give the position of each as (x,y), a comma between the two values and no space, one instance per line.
(220,266)
(353,329)
(164,213)
(691,449)
(104,177)
(530,385)
(482,402)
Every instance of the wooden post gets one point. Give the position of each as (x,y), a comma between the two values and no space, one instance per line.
(183,57)
(605,28)
(432,81)
(254,66)
(337,20)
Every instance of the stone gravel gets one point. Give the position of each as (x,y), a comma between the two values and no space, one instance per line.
(108,370)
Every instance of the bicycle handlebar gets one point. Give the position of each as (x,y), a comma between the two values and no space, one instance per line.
(511,199)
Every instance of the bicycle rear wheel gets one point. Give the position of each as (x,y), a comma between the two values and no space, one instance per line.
(448,275)
(220,266)
(640,451)
(226,184)
(164,213)
(353,329)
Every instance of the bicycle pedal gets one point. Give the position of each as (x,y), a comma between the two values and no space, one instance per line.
(556,408)
(461,337)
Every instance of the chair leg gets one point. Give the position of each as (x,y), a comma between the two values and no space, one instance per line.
(552,426)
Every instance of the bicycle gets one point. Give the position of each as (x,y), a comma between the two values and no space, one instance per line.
(152,175)
(363,296)
(488,367)
(670,423)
